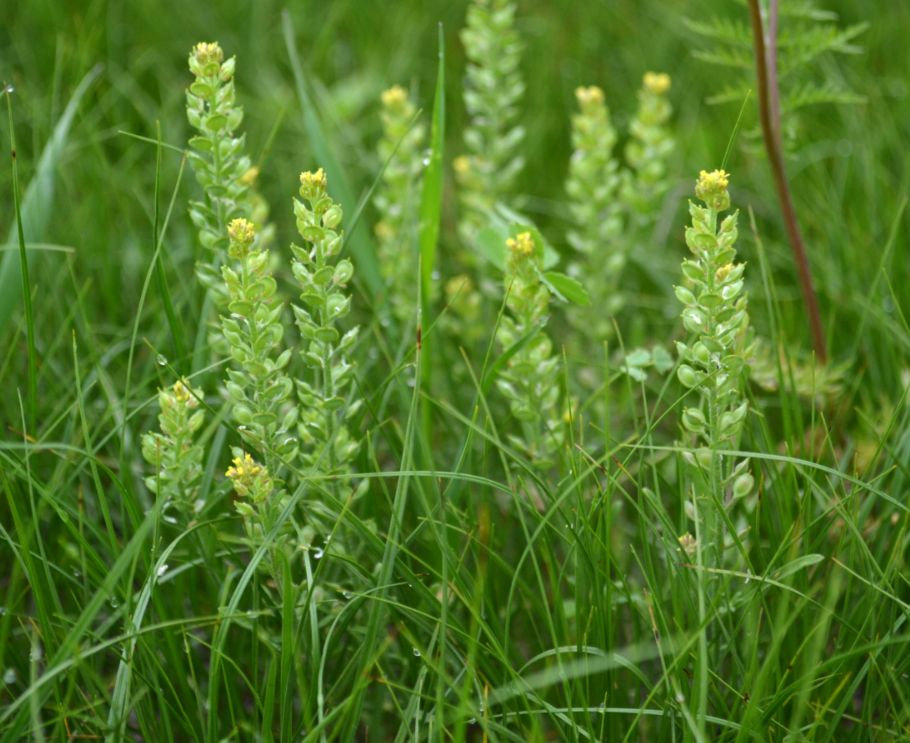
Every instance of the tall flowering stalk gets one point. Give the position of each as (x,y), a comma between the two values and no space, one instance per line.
(396,200)
(530,382)
(258,386)
(597,213)
(714,358)
(174,451)
(217,156)
(327,445)
(493,88)
(650,144)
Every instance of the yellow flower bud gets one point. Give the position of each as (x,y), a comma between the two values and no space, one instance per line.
(657,83)
(250,176)
(712,189)
(241,231)
(461,164)
(394,97)
(313,185)
(183,395)
(589,98)
(207,52)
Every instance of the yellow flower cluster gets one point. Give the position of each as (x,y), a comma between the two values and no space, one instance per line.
(657,82)
(394,97)
(243,468)
(589,97)
(241,231)
(313,185)
(522,244)
(712,189)
(206,52)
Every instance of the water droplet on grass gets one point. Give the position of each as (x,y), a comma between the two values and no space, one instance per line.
(9,676)
(161,359)
(416,652)
(9,88)
(161,571)
(318,553)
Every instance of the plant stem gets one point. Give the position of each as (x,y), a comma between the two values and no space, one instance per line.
(769,113)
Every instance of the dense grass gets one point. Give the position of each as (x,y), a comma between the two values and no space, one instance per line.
(467,595)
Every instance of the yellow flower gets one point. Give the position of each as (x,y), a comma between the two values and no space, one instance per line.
(249,178)
(688,544)
(384,231)
(589,98)
(183,395)
(521,244)
(394,97)
(241,231)
(657,82)
(712,189)
(461,164)
(313,185)
(243,468)
(207,52)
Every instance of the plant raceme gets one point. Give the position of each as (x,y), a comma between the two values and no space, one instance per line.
(714,358)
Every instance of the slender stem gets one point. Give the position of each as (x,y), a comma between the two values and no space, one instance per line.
(26,281)
(769,113)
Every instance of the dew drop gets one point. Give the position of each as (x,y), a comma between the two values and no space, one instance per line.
(161,359)
(426,161)
(161,571)
(347,595)
(472,721)
(318,553)
(169,519)
(416,652)
(9,88)
(9,675)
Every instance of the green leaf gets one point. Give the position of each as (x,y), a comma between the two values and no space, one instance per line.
(794,566)
(566,288)
(38,201)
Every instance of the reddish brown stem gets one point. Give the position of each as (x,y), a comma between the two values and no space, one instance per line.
(769,113)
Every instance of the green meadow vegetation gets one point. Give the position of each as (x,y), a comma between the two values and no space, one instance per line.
(491,370)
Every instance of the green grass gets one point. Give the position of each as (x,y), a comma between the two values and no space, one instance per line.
(467,595)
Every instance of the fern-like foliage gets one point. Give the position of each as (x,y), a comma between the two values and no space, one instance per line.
(807,33)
